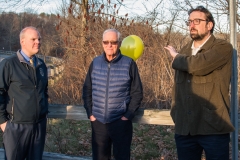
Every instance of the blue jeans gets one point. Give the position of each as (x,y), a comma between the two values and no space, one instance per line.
(216,147)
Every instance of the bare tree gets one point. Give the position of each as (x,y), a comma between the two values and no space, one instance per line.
(10,30)
(80,24)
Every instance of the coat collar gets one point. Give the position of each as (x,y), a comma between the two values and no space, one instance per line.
(206,46)
(21,59)
(116,59)
(209,43)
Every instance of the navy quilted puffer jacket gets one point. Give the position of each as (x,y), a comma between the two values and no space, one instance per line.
(111,84)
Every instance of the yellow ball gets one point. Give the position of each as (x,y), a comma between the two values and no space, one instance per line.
(132,46)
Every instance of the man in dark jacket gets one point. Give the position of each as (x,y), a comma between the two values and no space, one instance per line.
(112,92)
(24,100)
(200,102)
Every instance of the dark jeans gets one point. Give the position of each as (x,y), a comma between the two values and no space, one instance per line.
(216,147)
(24,141)
(117,133)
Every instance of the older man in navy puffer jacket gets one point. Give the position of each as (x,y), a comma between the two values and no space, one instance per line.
(112,92)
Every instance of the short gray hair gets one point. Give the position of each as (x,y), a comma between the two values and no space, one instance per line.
(113,30)
(21,35)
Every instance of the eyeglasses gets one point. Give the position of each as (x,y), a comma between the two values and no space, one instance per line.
(195,21)
(112,42)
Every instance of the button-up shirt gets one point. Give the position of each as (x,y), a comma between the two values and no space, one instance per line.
(196,49)
(26,58)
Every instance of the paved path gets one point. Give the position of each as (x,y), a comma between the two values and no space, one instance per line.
(52,156)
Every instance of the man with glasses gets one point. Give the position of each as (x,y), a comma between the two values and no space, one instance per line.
(200,102)
(112,92)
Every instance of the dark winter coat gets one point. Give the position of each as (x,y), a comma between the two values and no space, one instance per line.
(23,90)
(200,99)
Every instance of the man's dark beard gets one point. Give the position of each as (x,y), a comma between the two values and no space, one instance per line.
(198,37)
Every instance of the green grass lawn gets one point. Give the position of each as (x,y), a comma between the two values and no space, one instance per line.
(150,142)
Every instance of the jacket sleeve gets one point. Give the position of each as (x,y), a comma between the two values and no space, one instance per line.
(205,62)
(4,85)
(136,93)
(87,92)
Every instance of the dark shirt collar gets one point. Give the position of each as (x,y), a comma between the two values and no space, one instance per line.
(118,56)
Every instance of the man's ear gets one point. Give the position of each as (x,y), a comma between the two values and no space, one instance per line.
(21,41)
(210,25)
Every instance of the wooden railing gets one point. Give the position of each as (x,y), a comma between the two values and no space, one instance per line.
(143,116)
(75,112)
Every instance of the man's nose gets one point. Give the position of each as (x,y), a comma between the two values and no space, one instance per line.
(191,25)
(37,41)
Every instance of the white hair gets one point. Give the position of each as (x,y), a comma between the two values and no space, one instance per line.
(113,30)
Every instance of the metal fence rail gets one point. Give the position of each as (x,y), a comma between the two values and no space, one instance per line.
(55,65)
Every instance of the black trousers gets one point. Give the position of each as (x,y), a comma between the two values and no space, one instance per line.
(118,134)
(24,141)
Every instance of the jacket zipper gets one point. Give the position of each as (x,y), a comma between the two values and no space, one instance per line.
(12,109)
(106,98)
(35,86)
